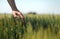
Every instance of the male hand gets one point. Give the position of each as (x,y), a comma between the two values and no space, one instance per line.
(17,13)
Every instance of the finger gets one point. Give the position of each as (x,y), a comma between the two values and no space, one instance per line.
(20,15)
(14,15)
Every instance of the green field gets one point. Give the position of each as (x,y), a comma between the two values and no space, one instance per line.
(36,27)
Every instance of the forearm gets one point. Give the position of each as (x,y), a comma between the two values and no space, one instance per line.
(12,4)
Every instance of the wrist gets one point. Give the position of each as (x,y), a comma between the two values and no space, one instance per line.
(15,9)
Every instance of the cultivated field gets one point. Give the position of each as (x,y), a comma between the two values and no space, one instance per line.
(36,27)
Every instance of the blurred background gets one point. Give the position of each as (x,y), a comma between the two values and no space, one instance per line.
(42,20)
(38,6)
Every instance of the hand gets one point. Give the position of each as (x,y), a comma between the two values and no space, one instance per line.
(18,13)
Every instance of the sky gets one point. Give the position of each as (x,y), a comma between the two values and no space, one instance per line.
(39,6)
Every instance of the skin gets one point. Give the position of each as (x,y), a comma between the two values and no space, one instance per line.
(15,11)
